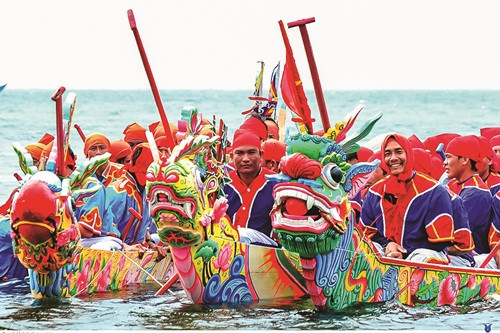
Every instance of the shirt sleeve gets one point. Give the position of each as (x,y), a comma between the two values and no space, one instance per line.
(439,222)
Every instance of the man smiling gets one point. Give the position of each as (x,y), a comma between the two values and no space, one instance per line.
(408,213)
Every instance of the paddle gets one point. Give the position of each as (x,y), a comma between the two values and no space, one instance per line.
(57,97)
(80,132)
(149,73)
(167,284)
(493,251)
(314,70)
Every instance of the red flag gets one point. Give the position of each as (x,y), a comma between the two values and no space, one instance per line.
(292,89)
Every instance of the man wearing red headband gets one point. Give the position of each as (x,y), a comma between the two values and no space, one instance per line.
(120,152)
(463,159)
(487,171)
(272,152)
(250,193)
(134,134)
(408,213)
(273,130)
(255,125)
(125,193)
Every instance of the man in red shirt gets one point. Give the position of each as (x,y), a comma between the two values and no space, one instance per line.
(249,193)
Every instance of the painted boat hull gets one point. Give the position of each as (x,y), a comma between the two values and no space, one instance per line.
(98,270)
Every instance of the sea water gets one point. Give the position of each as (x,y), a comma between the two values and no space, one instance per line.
(25,115)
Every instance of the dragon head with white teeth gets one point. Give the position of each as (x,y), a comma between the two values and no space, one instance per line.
(180,192)
(312,207)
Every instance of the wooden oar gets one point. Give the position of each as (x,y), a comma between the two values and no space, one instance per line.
(149,73)
(57,97)
(490,255)
(167,284)
(314,70)
(80,132)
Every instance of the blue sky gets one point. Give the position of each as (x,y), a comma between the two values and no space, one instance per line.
(357,44)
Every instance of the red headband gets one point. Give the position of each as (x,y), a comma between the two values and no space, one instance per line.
(93,139)
(135,131)
(245,138)
(119,149)
(273,150)
(256,126)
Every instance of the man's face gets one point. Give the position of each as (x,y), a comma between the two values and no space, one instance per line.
(395,157)
(247,159)
(454,165)
(134,142)
(97,149)
(496,149)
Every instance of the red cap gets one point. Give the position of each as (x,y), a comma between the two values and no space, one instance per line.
(466,146)
(158,130)
(364,154)
(416,142)
(432,142)
(422,161)
(95,138)
(119,149)
(245,138)
(489,132)
(273,150)
(486,150)
(135,131)
(255,126)
(495,141)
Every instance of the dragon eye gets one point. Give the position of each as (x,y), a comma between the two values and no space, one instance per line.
(336,174)
(332,175)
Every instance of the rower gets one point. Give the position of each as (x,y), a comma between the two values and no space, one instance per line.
(249,194)
(272,152)
(134,134)
(408,213)
(463,159)
(120,152)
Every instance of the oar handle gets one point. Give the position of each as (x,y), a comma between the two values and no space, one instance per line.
(57,97)
(320,98)
(80,132)
(152,83)
(490,255)
(131,19)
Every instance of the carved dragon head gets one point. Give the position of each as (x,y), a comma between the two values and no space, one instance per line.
(44,231)
(312,208)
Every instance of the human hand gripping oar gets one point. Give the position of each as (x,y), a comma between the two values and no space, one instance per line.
(149,73)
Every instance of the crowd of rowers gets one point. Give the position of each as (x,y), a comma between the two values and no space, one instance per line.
(418,205)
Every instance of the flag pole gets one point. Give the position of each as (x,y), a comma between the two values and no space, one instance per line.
(152,83)
(320,98)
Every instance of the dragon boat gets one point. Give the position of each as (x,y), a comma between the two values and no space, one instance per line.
(47,242)
(46,239)
(312,216)
(216,263)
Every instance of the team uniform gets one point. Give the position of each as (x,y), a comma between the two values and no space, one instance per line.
(421,220)
(249,206)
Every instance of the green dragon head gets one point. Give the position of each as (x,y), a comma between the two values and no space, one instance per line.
(312,206)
